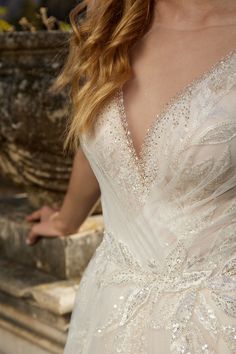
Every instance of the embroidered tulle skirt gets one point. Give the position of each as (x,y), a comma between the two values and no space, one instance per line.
(122,307)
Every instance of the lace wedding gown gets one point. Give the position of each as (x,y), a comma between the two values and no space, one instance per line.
(163,279)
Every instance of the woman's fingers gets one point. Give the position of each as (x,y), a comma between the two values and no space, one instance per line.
(34,216)
(45,229)
(46,212)
(41,214)
(34,234)
(32,238)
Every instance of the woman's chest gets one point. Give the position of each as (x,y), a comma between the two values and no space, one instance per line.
(163,64)
(190,143)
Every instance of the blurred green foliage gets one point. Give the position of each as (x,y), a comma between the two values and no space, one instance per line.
(35,21)
(3,11)
(32,15)
(4,25)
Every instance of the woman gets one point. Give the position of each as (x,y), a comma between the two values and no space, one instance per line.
(154,92)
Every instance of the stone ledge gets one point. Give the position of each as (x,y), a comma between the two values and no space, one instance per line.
(14,339)
(18,280)
(64,257)
(30,308)
(32,326)
(58,297)
(48,292)
(38,315)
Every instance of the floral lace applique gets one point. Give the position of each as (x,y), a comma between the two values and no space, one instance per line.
(222,132)
(174,284)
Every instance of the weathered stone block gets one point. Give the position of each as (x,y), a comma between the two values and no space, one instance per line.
(18,280)
(31,308)
(64,257)
(16,339)
(33,120)
(57,297)
(35,309)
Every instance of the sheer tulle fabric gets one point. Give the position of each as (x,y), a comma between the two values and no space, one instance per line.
(163,280)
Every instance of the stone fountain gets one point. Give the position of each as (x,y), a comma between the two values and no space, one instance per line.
(37,284)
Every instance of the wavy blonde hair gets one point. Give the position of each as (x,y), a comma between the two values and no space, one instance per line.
(98,62)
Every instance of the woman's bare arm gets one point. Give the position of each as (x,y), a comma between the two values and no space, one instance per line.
(82,194)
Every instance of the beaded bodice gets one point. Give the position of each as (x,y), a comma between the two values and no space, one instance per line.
(170,219)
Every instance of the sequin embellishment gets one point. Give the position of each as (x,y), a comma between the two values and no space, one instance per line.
(176,113)
(178,286)
(165,269)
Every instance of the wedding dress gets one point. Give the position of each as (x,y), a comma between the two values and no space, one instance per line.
(163,279)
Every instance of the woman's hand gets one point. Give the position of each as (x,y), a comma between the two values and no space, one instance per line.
(82,194)
(42,214)
(48,224)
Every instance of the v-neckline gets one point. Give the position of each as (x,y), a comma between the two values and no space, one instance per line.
(140,156)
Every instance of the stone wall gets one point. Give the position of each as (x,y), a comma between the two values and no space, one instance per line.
(38,284)
(33,121)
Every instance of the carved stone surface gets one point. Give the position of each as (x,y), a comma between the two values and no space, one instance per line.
(64,257)
(57,296)
(33,120)
(29,311)
(35,310)
(38,283)
(18,280)
(17,340)
(21,333)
